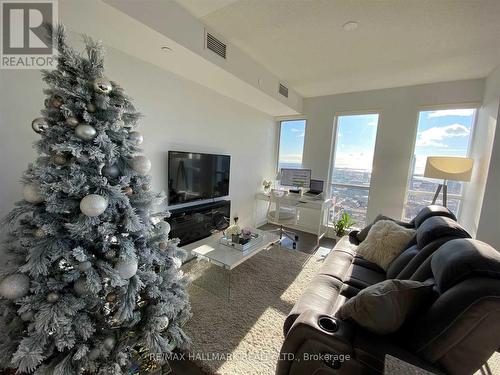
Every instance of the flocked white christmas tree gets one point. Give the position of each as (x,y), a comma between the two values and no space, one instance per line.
(89,282)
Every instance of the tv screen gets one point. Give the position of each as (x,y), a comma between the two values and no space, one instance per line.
(194,176)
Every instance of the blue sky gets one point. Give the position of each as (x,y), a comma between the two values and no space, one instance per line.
(441,132)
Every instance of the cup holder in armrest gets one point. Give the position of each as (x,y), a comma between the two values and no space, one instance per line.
(328,324)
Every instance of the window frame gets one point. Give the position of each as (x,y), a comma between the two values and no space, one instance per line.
(279,122)
(333,154)
(440,107)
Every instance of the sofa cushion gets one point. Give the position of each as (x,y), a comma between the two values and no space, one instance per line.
(401,261)
(383,308)
(336,264)
(464,258)
(385,241)
(436,227)
(431,211)
(361,277)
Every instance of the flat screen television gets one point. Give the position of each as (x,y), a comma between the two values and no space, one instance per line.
(194,176)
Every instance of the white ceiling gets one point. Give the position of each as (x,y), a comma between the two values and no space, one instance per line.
(397,43)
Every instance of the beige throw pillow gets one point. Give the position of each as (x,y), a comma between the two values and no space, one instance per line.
(385,241)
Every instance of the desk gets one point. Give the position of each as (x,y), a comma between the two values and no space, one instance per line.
(313,212)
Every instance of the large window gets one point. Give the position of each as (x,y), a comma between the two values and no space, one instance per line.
(352,164)
(291,145)
(445,132)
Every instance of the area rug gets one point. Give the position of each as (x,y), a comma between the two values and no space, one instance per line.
(243,335)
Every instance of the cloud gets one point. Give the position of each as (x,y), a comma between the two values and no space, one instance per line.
(291,158)
(451,112)
(354,160)
(434,136)
(373,123)
(295,130)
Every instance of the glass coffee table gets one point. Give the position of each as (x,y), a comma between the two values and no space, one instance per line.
(215,261)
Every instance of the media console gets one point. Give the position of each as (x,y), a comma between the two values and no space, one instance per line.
(194,223)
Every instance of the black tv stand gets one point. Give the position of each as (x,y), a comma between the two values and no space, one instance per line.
(193,223)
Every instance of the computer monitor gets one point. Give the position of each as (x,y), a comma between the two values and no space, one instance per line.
(316,185)
(296,177)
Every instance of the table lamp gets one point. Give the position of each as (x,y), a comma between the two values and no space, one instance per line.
(448,168)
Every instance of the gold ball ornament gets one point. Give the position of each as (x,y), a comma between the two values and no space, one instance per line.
(111,297)
(110,254)
(52,297)
(40,233)
(72,122)
(102,86)
(91,107)
(163,245)
(128,191)
(40,125)
(59,159)
(56,102)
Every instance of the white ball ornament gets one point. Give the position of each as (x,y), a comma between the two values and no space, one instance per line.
(126,268)
(120,123)
(102,86)
(40,125)
(136,137)
(15,286)
(109,342)
(163,227)
(31,193)
(141,164)
(93,205)
(72,122)
(27,316)
(94,354)
(80,287)
(85,132)
(84,266)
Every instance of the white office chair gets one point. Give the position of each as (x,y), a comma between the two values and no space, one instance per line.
(281,212)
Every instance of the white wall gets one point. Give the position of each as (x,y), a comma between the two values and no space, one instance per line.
(398,109)
(489,220)
(179,114)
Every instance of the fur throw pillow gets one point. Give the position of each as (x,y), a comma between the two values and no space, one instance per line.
(385,241)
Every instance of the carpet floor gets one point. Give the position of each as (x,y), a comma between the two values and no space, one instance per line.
(243,335)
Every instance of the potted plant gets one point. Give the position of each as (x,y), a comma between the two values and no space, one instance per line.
(342,225)
(267,184)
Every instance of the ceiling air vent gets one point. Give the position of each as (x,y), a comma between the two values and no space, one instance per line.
(215,45)
(283,90)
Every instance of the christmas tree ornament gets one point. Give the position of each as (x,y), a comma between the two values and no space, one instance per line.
(40,125)
(118,106)
(146,187)
(109,342)
(93,205)
(80,287)
(140,164)
(27,316)
(46,103)
(31,193)
(163,323)
(52,297)
(135,137)
(110,254)
(85,132)
(126,268)
(111,297)
(72,122)
(59,159)
(94,354)
(163,245)
(15,286)
(102,86)
(163,227)
(127,190)
(40,233)
(91,107)
(110,171)
(56,102)
(84,266)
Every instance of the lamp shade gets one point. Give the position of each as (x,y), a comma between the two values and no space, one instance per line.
(449,168)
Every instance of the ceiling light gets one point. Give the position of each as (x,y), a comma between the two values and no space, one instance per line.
(350,26)
(166,49)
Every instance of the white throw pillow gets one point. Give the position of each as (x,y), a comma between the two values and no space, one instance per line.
(385,241)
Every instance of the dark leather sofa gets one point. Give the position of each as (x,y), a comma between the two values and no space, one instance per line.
(456,333)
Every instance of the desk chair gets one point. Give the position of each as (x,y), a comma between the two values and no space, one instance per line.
(281,212)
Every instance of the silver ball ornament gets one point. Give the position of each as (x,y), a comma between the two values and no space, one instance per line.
(72,122)
(163,323)
(84,266)
(27,316)
(110,171)
(91,107)
(31,193)
(52,297)
(163,227)
(102,86)
(141,164)
(80,287)
(40,125)
(15,286)
(109,342)
(136,137)
(126,268)
(85,132)
(93,205)
(94,354)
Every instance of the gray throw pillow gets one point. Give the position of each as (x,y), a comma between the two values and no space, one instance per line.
(382,308)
